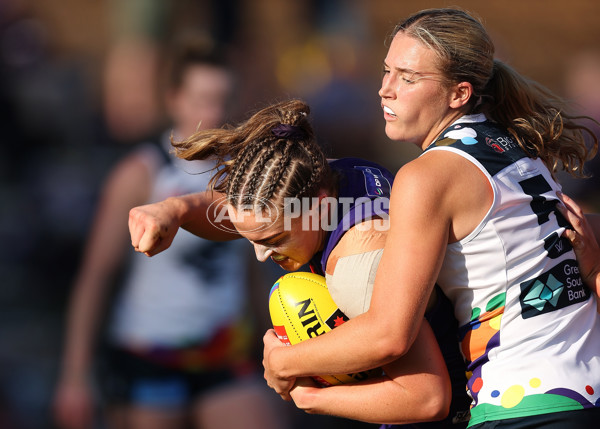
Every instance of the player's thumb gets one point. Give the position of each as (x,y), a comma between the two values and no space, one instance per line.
(148,243)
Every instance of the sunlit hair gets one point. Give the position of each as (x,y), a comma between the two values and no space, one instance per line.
(256,164)
(538,119)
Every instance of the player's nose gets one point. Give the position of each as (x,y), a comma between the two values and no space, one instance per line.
(262,252)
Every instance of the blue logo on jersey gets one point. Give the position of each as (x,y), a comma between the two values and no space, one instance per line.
(541,294)
(376,185)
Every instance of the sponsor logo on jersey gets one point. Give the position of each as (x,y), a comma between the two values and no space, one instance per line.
(501,143)
(556,245)
(555,289)
(376,184)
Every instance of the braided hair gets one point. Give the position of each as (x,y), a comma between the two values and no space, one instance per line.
(272,156)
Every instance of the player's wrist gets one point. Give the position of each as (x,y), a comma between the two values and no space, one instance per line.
(278,363)
(306,395)
(179,209)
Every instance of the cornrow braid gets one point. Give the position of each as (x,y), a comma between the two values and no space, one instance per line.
(272,156)
(250,194)
(239,166)
(278,172)
(314,178)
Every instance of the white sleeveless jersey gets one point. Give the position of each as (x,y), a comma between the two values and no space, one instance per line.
(529,329)
(183,295)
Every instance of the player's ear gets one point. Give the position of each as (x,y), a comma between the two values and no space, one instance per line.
(461,95)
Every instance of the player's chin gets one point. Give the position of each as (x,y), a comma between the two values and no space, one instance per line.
(394,132)
(288,264)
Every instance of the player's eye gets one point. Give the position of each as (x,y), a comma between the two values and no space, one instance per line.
(408,78)
(274,243)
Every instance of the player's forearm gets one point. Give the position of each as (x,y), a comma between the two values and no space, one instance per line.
(414,388)
(80,333)
(364,347)
(380,400)
(85,310)
(203,214)
(104,253)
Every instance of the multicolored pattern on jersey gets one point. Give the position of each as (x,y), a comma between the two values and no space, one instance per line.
(529,328)
(366,183)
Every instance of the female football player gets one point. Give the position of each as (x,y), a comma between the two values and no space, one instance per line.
(275,187)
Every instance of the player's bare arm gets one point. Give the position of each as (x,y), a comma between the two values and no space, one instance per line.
(154,226)
(419,381)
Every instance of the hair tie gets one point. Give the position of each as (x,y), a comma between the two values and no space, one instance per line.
(286,131)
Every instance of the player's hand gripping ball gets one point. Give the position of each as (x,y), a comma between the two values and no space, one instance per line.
(301,308)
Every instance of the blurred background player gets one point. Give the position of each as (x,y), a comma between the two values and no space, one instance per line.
(178,347)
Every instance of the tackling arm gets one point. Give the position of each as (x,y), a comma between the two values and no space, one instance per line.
(415,388)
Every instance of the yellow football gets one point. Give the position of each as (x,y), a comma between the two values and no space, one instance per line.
(301,308)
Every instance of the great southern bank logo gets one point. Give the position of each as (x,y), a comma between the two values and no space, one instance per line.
(544,293)
(557,288)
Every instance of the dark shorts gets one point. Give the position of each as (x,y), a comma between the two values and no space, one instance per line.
(579,419)
(128,379)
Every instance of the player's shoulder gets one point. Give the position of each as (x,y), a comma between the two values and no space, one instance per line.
(362,238)
(365,236)
(433,174)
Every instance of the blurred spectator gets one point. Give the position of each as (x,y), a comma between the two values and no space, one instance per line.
(130,99)
(178,343)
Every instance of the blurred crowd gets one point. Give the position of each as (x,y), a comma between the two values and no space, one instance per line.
(81,84)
